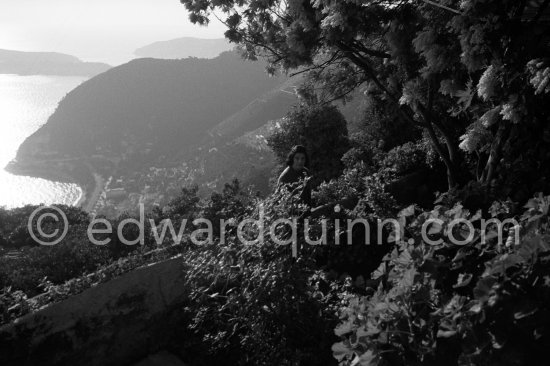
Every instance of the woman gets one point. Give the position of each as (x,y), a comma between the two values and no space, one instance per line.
(296,178)
(296,175)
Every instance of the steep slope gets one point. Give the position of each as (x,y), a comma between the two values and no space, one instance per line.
(47,63)
(246,157)
(258,112)
(162,106)
(236,147)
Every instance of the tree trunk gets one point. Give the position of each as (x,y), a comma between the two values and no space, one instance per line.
(451,171)
(496,151)
(449,156)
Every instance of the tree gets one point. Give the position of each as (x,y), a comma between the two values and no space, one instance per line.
(317,128)
(185,204)
(473,74)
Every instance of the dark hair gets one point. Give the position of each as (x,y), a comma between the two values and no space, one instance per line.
(297,149)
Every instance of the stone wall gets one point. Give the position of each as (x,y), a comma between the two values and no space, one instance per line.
(115,323)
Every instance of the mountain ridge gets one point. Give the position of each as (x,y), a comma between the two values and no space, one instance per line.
(157,114)
(184,47)
(47,63)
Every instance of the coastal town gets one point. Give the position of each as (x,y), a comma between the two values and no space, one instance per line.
(118,179)
(107,189)
(124,193)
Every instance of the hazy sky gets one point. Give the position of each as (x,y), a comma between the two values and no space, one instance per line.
(95,30)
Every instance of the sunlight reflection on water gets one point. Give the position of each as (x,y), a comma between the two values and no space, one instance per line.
(26,102)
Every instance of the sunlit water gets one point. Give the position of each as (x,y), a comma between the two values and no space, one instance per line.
(26,102)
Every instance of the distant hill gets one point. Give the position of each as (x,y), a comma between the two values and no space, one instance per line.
(163,113)
(185,47)
(150,108)
(47,63)
(237,146)
(259,111)
(246,157)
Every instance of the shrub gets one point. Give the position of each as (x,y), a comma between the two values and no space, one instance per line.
(58,263)
(256,304)
(476,304)
(315,127)
(405,158)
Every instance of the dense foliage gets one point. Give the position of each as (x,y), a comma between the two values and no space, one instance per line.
(455,99)
(472,75)
(314,127)
(255,304)
(482,303)
(459,85)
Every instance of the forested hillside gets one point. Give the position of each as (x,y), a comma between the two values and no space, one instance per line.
(169,104)
(427,238)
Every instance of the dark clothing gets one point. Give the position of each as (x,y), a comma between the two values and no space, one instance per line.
(291,179)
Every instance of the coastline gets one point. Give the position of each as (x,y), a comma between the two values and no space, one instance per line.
(50,170)
(79,202)
(89,204)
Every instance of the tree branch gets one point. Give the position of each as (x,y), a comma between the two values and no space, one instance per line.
(364,65)
(248,39)
(371,52)
(448,158)
(357,84)
(442,7)
(496,151)
(321,66)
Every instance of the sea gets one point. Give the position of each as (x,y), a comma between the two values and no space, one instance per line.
(26,102)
